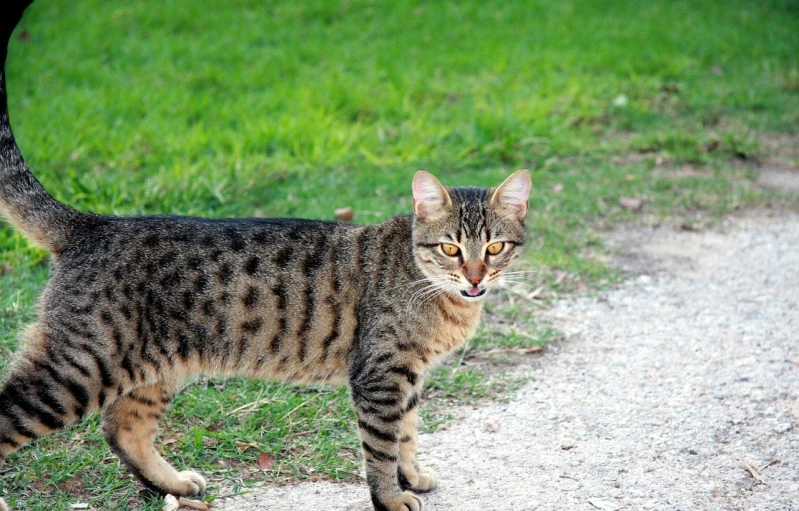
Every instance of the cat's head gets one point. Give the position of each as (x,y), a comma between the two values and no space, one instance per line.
(464,238)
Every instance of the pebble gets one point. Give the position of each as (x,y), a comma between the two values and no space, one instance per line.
(604,505)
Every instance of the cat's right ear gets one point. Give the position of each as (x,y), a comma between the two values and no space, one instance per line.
(430,198)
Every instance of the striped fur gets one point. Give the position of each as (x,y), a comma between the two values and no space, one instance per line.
(136,305)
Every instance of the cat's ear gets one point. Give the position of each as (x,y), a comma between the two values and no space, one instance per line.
(430,198)
(512,195)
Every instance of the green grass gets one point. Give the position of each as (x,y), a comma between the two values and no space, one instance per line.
(240,108)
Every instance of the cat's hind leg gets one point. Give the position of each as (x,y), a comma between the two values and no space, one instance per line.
(49,387)
(130,425)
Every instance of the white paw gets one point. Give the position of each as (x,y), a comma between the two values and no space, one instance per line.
(419,480)
(405,501)
(428,479)
(191,483)
(3,506)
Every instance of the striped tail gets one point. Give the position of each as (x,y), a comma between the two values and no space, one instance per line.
(23,200)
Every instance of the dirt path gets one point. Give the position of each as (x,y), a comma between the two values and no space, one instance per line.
(662,387)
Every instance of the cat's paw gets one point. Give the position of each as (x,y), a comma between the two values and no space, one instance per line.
(428,480)
(189,484)
(405,501)
(3,506)
(419,480)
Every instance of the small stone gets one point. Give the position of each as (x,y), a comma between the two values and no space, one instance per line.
(604,505)
(783,427)
(645,280)
(491,427)
(620,101)
(170,503)
(631,203)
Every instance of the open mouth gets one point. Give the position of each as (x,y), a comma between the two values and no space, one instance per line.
(473,292)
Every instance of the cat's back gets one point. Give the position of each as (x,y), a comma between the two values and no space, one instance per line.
(152,242)
(265,287)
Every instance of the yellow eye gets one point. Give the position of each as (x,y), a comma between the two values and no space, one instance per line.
(450,250)
(495,248)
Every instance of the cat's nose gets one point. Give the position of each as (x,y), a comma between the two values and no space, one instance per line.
(474,273)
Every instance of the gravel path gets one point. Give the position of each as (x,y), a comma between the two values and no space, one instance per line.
(662,387)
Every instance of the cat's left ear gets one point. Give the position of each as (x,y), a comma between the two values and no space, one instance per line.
(513,194)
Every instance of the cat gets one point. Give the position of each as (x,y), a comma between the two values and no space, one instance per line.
(136,305)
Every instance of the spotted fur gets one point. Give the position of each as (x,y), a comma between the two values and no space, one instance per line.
(136,305)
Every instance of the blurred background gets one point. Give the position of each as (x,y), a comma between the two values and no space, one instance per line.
(647,112)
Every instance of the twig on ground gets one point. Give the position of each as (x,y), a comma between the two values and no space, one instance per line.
(507,351)
(767,465)
(755,474)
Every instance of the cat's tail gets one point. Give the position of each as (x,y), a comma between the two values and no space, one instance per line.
(23,200)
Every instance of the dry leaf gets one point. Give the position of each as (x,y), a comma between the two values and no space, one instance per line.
(632,204)
(265,461)
(243,446)
(556,188)
(567,447)
(193,504)
(170,503)
(345,214)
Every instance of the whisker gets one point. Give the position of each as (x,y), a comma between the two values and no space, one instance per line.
(520,279)
(531,286)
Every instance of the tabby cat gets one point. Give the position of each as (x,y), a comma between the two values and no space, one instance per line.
(136,305)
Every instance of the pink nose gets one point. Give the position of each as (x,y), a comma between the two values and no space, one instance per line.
(474,272)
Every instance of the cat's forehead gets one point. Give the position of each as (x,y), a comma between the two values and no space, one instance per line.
(469,195)
(472,210)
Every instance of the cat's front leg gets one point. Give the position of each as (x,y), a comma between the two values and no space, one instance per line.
(410,475)
(381,403)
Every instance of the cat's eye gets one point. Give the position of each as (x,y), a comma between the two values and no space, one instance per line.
(495,248)
(450,250)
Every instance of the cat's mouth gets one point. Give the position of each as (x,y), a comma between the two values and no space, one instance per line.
(473,292)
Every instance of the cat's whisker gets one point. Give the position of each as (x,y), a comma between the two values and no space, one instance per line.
(511,284)
(419,295)
(520,278)
(419,300)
